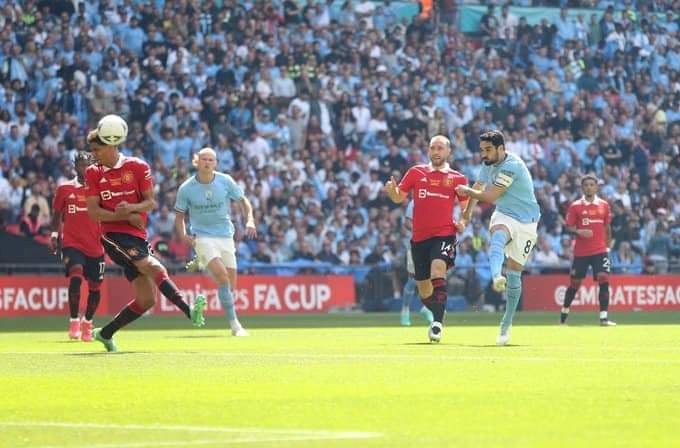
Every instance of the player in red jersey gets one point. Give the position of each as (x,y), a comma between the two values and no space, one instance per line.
(120,194)
(433,243)
(81,249)
(588,219)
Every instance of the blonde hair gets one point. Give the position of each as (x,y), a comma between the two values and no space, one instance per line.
(441,138)
(206,150)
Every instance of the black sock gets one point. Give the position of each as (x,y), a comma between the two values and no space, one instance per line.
(604,296)
(128,314)
(92,303)
(74,296)
(170,291)
(439,297)
(568,298)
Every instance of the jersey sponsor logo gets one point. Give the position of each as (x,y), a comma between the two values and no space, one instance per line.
(127,177)
(422,194)
(108,194)
(588,221)
(73,209)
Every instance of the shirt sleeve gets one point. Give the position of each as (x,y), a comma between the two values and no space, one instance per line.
(58,202)
(407,181)
(571,216)
(145,179)
(182,202)
(91,183)
(234,190)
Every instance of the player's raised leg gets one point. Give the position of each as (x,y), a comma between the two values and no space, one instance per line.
(153,269)
(500,236)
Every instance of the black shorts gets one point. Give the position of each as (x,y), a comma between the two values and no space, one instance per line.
(599,262)
(93,267)
(437,248)
(125,249)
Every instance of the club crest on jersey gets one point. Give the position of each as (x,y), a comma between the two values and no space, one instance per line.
(448,182)
(128,177)
(209,195)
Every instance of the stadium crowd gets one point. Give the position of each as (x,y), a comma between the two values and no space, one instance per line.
(311,108)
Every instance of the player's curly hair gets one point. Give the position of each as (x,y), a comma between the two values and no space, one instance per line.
(494,137)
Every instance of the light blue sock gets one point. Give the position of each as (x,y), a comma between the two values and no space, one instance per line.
(408,293)
(227,301)
(513,292)
(497,252)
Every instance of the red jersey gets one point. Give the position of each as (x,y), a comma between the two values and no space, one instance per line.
(126,181)
(595,216)
(434,196)
(79,230)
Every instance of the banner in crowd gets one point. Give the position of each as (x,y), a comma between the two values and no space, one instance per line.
(48,295)
(627,293)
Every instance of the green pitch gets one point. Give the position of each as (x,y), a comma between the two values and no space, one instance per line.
(345,381)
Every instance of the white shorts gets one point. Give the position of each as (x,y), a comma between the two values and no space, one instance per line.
(523,237)
(410,267)
(209,248)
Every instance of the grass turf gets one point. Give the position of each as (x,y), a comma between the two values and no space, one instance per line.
(344,381)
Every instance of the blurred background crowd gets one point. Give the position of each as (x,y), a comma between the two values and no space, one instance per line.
(312,106)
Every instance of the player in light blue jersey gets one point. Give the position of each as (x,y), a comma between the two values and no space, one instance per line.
(504,180)
(409,291)
(206,197)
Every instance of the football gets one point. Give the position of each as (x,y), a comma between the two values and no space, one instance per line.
(112,130)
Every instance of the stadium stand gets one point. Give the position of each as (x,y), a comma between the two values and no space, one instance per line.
(311,107)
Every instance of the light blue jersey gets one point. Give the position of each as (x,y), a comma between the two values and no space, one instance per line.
(209,205)
(409,215)
(518,201)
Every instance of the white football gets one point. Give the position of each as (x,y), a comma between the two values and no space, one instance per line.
(112,130)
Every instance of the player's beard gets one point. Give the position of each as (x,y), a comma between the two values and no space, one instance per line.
(439,164)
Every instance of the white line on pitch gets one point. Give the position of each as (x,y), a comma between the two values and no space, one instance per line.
(384,356)
(208,429)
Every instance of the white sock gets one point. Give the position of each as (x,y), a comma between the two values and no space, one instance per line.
(565,310)
(235,324)
(603,315)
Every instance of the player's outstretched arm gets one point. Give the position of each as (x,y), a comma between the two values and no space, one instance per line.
(489,194)
(393,192)
(469,206)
